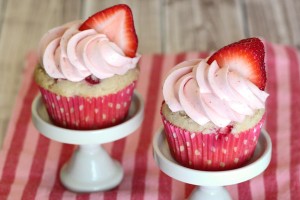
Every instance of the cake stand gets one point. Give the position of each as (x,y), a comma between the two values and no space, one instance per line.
(210,184)
(90,168)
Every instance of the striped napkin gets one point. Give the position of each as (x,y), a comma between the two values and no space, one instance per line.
(30,163)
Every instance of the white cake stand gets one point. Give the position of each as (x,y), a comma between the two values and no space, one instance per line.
(90,168)
(210,183)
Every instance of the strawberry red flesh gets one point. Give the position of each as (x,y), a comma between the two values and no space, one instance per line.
(245,57)
(117,24)
(92,80)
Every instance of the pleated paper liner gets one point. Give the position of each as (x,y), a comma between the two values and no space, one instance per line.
(88,113)
(211,152)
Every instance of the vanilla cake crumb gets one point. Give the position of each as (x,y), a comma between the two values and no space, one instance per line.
(82,88)
(183,121)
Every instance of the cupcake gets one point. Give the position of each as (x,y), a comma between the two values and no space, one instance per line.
(88,70)
(214,108)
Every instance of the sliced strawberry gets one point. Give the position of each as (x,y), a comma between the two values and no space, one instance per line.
(117,24)
(245,57)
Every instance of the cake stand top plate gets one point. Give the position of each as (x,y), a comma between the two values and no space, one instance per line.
(258,163)
(42,122)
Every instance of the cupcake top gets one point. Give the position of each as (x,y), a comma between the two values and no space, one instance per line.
(222,89)
(102,46)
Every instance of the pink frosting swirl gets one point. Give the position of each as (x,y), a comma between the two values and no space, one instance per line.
(209,93)
(71,54)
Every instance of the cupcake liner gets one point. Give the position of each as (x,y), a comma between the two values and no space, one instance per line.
(214,151)
(88,113)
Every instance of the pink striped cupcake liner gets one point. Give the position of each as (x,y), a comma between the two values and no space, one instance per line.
(211,152)
(88,113)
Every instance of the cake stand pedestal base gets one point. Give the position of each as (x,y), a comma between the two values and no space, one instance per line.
(91,169)
(210,193)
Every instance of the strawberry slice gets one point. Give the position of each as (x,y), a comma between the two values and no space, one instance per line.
(117,24)
(245,57)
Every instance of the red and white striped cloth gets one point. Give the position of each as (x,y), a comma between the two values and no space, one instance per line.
(29,162)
